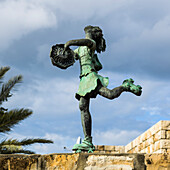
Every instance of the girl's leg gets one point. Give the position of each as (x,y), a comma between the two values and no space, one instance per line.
(85,116)
(86,144)
(111,94)
(127,86)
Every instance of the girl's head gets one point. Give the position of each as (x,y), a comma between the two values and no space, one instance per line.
(96,34)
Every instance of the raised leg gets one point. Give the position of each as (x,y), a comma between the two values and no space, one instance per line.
(127,86)
(111,94)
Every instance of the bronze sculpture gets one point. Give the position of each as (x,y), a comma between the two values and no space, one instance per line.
(91,83)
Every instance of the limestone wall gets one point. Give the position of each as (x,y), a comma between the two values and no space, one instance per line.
(157,161)
(109,149)
(154,140)
(81,161)
(85,161)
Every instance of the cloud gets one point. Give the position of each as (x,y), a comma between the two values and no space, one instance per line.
(60,141)
(50,96)
(152,110)
(20,17)
(43,52)
(115,137)
(139,39)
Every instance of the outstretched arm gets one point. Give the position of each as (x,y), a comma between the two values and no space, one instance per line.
(79,42)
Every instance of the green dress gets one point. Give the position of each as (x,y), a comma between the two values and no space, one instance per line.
(89,78)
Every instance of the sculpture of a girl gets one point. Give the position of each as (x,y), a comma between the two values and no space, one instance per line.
(91,83)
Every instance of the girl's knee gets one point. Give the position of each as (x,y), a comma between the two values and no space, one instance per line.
(83,105)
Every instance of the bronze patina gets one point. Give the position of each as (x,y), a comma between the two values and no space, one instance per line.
(91,83)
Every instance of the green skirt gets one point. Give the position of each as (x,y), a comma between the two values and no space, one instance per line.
(89,83)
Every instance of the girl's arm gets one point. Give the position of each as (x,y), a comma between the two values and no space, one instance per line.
(80,42)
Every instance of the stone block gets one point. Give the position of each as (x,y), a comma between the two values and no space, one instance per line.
(120,149)
(151,140)
(136,150)
(135,142)
(155,128)
(128,147)
(157,161)
(148,134)
(101,147)
(168,134)
(131,151)
(146,143)
(168,151)
(96,147)
(140,147)
(109,148)
(115,161)
(142,151)
(103,152)
(157,146)
(165,125)
(145,150)
(159,135)
(165,144)
(161,151)
(148,150)
(142,137)
(152,148)
(115,152)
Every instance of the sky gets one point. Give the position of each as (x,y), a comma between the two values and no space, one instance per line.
(137,46)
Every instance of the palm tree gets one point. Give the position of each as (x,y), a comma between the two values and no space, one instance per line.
(8,119)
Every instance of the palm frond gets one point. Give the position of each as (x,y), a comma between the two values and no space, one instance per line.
(3,70)
(6,88)
(8,119)
(14,146)
(13,149)
(37,140)
(12,117)
(17,151)
(3,109)
(24,142)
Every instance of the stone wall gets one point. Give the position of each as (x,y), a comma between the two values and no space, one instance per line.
(79,161)
(157,161)
(85,161)
(154,140)
(109,149)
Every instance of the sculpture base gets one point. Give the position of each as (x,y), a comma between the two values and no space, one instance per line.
(73,161)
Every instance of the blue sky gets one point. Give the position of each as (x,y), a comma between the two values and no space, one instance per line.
(137,36)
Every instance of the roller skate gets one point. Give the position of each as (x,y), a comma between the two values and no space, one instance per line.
(130,87)
(85,146)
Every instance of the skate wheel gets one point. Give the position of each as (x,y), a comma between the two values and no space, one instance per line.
(78,151)
(90,151)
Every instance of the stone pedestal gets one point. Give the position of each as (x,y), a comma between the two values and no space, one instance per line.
(79,161)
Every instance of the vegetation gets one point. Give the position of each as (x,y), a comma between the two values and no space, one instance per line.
(8,119)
